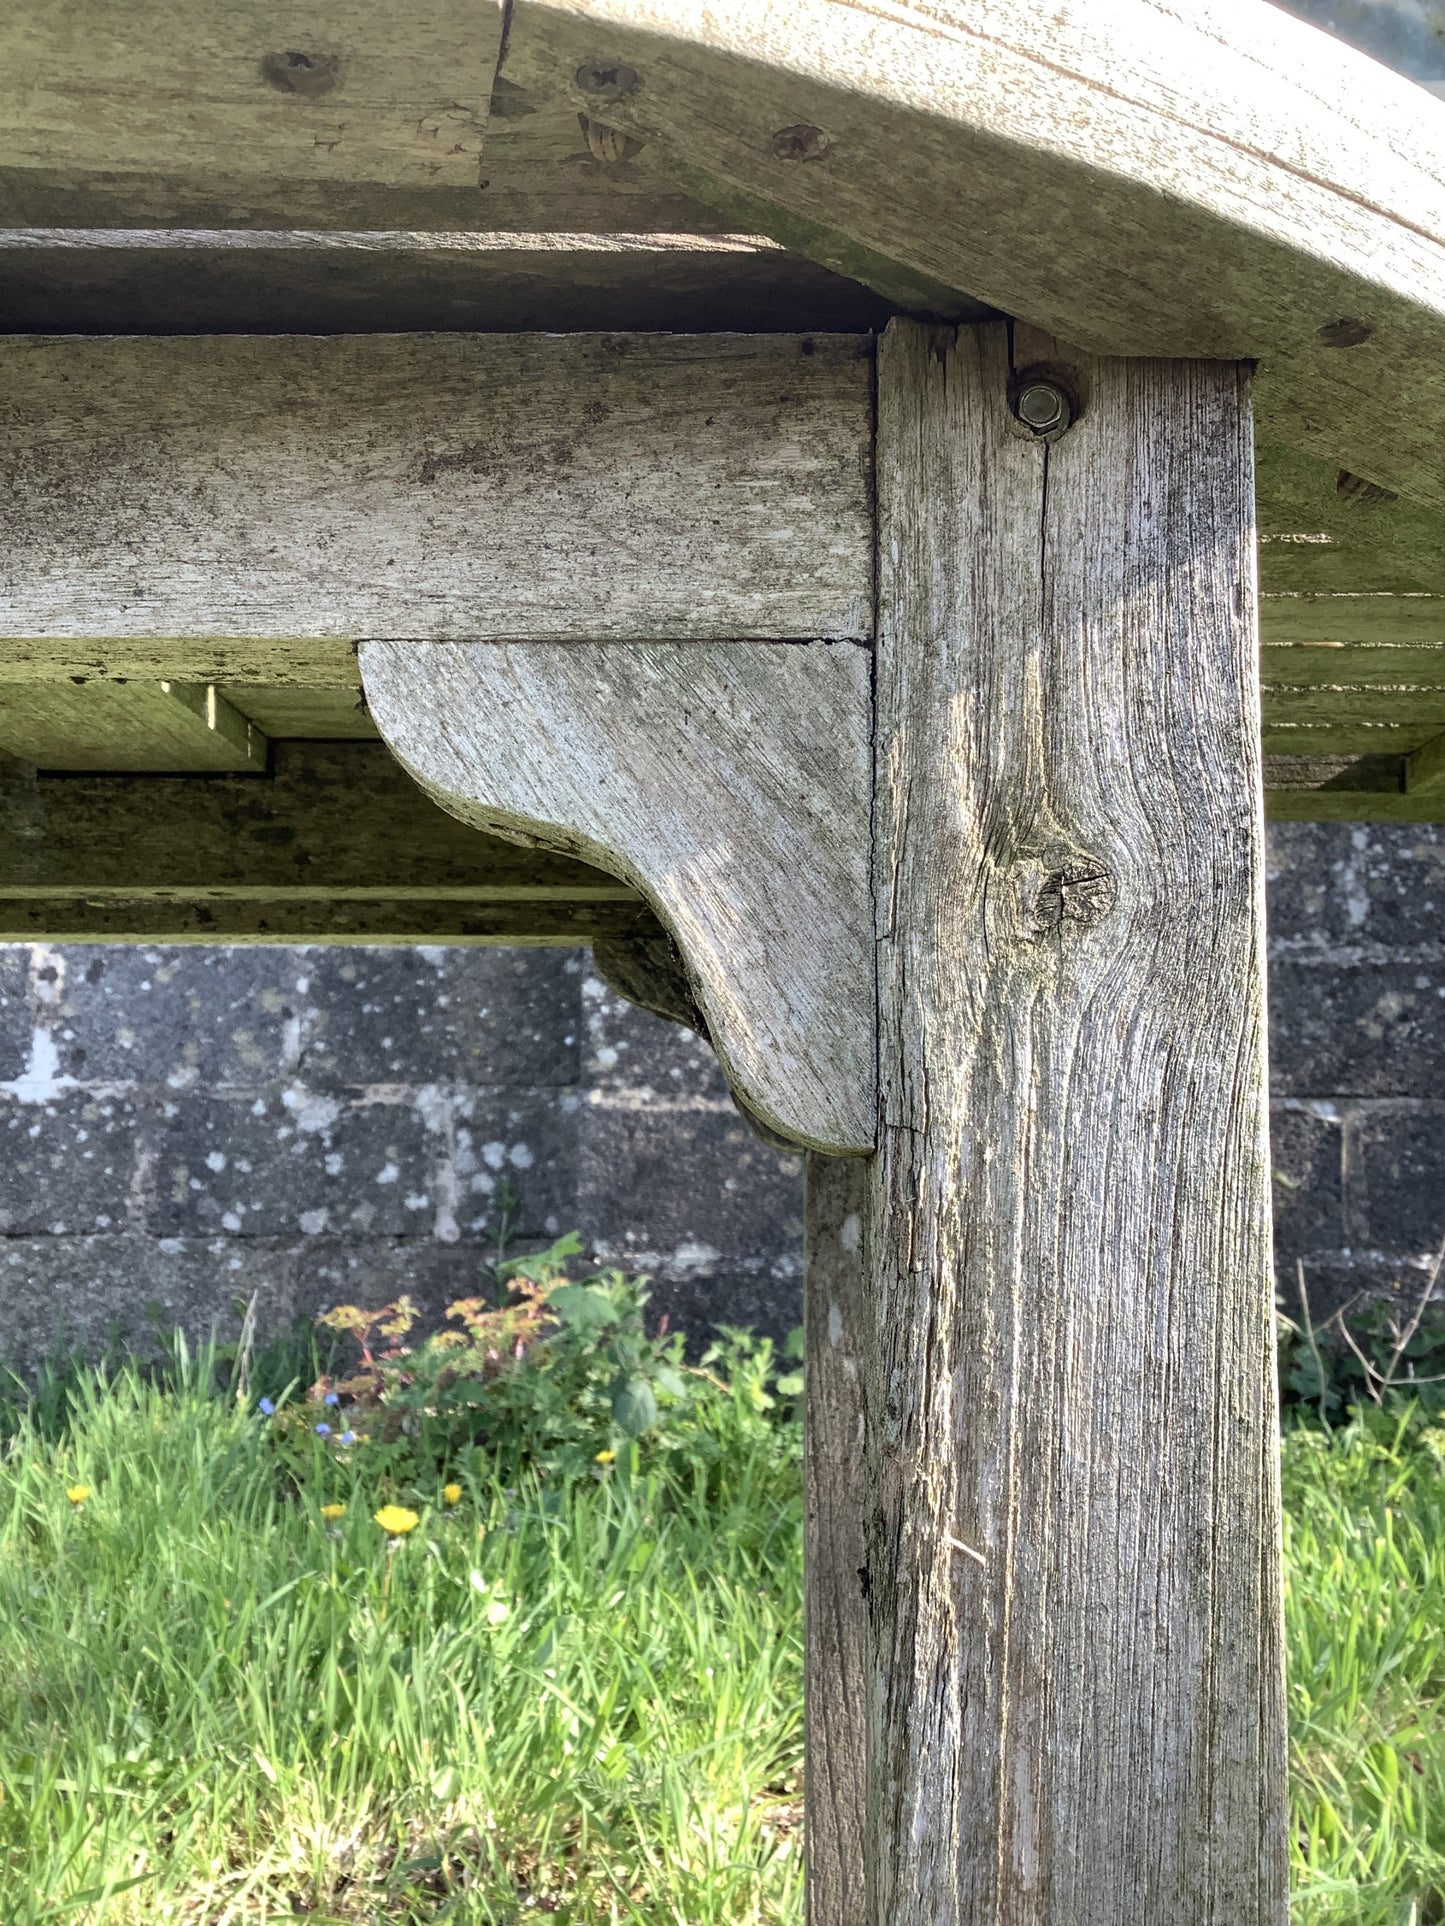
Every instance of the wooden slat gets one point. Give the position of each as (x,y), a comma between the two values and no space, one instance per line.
(1425,771)
(835,1200)
(1073,1535)
(313,919)
(312,714)
(233,282)
(339,820)
(127,726)
(241,100)
(1140,178)
(729,783)
(434,486)
(275,661)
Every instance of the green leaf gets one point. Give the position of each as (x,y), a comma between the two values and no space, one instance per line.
(581,1307)
(668,1381)
(634,1408)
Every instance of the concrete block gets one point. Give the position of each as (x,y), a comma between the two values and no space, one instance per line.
(15,1021)
(1367,1029)
(689,1195)
(629,1049)
(1402,1176)
(1305,1156)
(470,1016)
(186,1017)
(67,1166)
(1336,884)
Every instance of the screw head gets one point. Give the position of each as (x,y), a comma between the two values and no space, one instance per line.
(802,142)
(1043,408)
(1348,332)
(607,82)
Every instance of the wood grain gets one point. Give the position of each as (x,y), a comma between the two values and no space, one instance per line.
(127,726)
(835,1200)
(334,819)
(435,486)
(728,783)
(1142,177)
(1073,1540)
(247,99)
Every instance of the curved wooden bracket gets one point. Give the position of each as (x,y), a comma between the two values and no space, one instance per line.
(729,782)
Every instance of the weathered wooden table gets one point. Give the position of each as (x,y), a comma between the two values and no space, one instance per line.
(771,491)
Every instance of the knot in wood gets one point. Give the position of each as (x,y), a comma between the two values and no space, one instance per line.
(1078,893)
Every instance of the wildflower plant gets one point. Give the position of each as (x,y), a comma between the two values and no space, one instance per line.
(555,1373)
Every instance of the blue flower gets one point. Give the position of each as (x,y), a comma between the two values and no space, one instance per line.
(323,1431)
(348,1437)
(266,1408)
(333,1397)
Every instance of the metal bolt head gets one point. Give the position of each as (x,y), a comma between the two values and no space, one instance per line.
(604,81)
(1043,408)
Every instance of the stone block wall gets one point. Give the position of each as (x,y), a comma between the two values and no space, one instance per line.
(1357,1053)
(182,1127)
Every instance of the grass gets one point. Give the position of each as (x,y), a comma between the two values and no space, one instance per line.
(583,1703)
(218,1706)
(1365,1630)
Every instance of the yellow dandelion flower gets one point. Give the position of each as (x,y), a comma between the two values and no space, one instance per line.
(452,1494)
(332,1511)
(77,1494)
(605,1457)
(396,1521)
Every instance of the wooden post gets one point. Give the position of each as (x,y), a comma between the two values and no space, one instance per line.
(1075,1710)
(835,1200)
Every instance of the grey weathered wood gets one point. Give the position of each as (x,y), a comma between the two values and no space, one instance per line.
(435,486)
(728,783)
(241,99)
(279,662)
(1141,177)
(1073,1551)
(130,725)
(834,1617)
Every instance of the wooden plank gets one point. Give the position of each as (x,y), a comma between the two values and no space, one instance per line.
(1351,806)
(1425,770)
(834,1618)
(1353,665)
(236,282)
(128,726)
(335,820)
(1321,535)
(237,99)
(1342,737)
(435,486)
(1073,1538)
(1403,715)
(312,714)
(1141,178)
(729,784)
(312,919)
(275,661)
